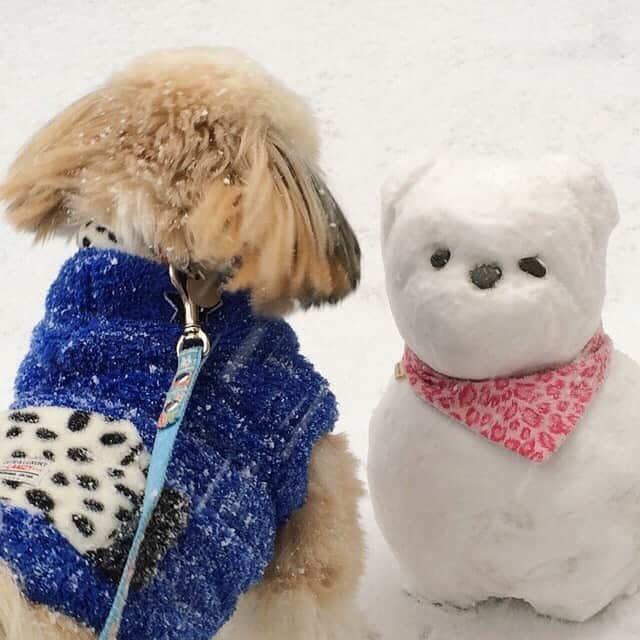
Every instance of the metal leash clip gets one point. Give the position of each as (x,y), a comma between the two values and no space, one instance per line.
(193,331)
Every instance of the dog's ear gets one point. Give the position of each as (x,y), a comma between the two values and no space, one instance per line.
(48,171)
(278,227)
(201,157)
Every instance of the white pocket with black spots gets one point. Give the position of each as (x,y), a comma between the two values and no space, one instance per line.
(85,473)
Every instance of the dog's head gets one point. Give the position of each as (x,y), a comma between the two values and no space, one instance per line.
(495,268)
(200,158)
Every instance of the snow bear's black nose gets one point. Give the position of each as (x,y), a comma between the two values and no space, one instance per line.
(485,276)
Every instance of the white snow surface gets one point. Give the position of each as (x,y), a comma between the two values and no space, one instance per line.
(383,78)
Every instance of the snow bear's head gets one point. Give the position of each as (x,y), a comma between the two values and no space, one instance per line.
(495,268)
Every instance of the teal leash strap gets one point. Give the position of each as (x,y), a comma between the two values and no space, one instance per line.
(190,361)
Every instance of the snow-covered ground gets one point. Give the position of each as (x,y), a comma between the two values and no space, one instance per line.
(383,78)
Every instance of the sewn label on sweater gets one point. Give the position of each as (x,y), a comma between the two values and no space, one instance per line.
(29,471)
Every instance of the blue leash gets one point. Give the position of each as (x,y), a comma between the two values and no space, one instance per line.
(190,361)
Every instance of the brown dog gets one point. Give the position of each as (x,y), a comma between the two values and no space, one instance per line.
(200,158)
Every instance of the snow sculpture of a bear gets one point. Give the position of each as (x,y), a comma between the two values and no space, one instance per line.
(505,455)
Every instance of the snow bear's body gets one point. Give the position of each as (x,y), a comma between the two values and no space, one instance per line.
(467,519)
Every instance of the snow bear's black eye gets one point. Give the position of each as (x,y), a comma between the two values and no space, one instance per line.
(440,258)
(533,266)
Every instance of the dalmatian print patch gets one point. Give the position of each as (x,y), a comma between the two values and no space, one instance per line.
(84,472)
(95,235)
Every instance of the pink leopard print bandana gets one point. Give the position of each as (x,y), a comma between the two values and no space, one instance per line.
(531,415)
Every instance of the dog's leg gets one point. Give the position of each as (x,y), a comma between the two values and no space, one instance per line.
(21,620)
(309,589)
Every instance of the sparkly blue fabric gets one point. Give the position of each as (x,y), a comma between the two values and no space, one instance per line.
(107,344)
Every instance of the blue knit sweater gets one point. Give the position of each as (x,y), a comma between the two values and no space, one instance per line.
(107,345)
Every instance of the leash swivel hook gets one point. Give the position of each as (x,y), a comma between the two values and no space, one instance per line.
(193,331)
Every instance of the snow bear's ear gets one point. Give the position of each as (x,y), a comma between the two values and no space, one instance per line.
(593,193)
(397,185)
(596,197)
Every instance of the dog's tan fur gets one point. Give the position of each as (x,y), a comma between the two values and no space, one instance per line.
(308,591)
(201,158)
(21,620)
